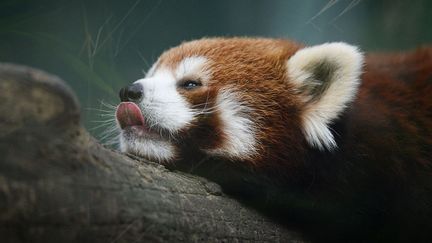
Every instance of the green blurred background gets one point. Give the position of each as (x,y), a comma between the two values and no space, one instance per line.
(100,46)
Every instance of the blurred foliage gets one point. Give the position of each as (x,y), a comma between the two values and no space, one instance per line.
(100,46)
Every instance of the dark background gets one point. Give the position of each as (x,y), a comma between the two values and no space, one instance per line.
(100,46)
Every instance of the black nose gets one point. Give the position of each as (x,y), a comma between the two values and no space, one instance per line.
(133,92)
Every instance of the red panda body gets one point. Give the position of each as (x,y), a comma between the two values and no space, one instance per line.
(381,172)
(319,136)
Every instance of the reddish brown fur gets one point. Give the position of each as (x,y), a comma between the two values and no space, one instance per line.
(395,98)
(383,162)
(256,68)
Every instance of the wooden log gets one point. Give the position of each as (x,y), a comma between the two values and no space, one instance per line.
(58,184)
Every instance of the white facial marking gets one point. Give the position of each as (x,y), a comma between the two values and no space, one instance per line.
(342,87)
(192,68)
(162,105)
(164,108)
(237,127)
(149,148)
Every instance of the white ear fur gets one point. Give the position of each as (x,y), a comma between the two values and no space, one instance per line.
(327,76)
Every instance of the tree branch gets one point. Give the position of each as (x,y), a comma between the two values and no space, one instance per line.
(57,184)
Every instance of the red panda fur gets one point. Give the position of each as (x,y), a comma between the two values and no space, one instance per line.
(377,182)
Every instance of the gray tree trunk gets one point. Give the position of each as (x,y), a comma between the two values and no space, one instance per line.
(57,184)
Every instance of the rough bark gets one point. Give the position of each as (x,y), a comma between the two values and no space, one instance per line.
(57,184)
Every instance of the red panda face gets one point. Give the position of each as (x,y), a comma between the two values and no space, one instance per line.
(230,98)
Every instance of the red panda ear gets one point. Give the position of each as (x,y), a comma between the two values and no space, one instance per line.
(327,77)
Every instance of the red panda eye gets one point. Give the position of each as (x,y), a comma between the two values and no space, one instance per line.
(190,84)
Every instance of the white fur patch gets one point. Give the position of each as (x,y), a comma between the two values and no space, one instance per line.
(238,128)
(164,108)
(347,61)
(152,149)
(192,68)
(162,105)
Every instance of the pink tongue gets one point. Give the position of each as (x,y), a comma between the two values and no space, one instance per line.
(129,114)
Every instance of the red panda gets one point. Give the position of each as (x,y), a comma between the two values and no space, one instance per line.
(346,139)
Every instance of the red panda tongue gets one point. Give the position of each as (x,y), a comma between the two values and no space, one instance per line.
(129,114)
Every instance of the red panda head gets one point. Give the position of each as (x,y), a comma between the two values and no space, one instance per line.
(239,99)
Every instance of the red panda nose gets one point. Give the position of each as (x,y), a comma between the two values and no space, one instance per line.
(133,93)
